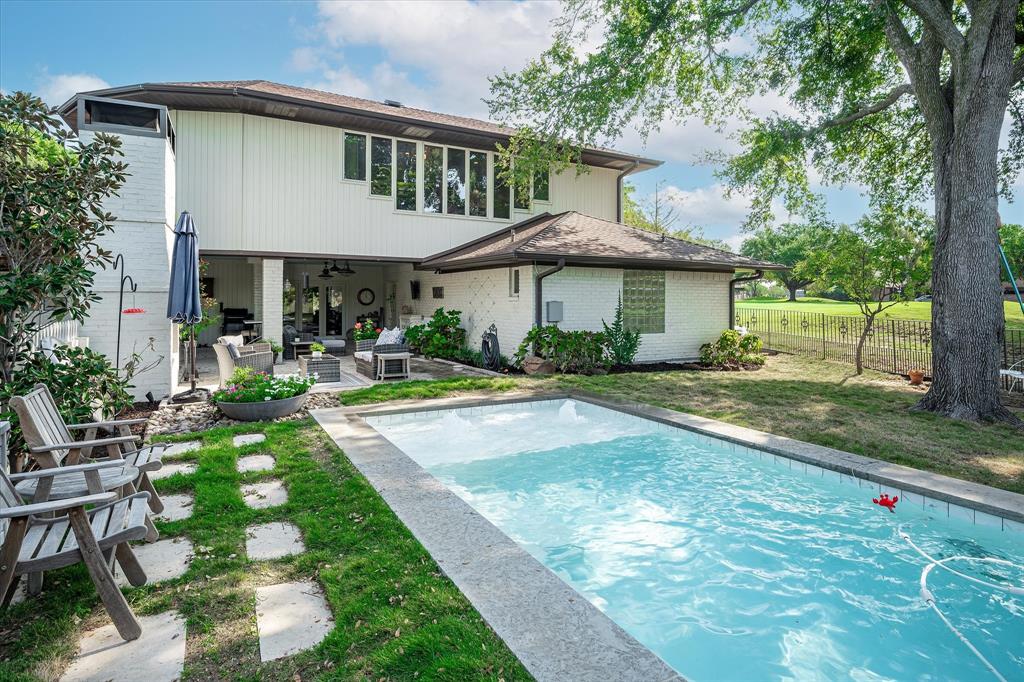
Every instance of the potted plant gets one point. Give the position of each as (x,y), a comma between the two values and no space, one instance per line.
(916,377)
(278,349)
(254,396)
(365,330)
(317,350)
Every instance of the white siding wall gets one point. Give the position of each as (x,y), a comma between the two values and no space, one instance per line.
(696,305)
(145,211)
(257,184)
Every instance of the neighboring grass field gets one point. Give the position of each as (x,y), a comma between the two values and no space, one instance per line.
(903,311)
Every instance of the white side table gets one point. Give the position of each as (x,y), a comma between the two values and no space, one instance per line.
(392,366)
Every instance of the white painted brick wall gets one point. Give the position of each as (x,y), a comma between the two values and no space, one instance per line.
(481,295)
(270,273)
(143,234)
(696,305)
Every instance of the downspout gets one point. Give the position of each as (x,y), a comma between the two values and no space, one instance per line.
(538,291)
(618,188)
(758,274)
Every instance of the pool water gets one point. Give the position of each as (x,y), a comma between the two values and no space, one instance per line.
(728,563)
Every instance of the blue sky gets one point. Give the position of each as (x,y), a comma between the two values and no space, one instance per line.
(433,55)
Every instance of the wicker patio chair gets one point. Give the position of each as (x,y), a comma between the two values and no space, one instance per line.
(366,354)
(259,356)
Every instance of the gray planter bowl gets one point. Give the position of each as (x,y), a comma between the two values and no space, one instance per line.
(268,409)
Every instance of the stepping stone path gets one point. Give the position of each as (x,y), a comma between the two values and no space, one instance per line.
(161,560)
(171,468)
(176,507)
(273,541)
(265,494)
(157,656)
(255,463)
(248,439)
(182,448)
(291,617)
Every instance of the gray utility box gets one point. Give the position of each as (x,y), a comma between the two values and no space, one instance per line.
(554,311)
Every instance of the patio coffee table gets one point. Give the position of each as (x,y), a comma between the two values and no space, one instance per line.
(326,367)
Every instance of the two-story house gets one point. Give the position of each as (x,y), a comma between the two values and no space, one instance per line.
(315,210)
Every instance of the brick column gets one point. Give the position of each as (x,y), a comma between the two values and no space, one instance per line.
(270,294)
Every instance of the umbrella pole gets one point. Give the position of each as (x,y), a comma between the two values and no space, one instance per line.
(192,354)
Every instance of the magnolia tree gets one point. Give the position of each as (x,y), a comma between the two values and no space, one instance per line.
(906,97)
(51,216)
(881,261)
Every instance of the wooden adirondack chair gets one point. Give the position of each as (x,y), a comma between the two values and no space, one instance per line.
(30,543)
(51,443)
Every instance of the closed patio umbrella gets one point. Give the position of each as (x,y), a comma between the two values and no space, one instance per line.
(183,300)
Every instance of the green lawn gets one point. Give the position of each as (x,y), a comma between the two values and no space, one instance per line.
(903,311)
(396,616)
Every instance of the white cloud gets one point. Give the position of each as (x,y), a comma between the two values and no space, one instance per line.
(455,45)
(707,206)
(58,88)
(305,59)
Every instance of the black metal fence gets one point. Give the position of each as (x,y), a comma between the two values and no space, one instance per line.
(893,346)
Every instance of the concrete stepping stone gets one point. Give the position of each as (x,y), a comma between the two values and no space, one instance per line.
(248,439)
(255,463)
(273,541)
(156,656)
(182,448)
(161,560)
(171,468)
(265,494)
(291,617)
(176,507)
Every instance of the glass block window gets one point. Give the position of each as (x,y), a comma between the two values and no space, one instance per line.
(643,300)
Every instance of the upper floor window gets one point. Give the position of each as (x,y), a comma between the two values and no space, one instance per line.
(522,200)
(405,176)
(380,166)
(643,300)
(542,186)
(478,184)
(456,181)
(502,198)
(355,156)
(433,178)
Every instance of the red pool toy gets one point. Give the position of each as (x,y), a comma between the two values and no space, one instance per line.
(887,502)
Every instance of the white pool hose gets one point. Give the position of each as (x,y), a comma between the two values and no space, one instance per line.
(929,598)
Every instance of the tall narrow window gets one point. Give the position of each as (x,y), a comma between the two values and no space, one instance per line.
(405,176)
(478,184)
(502,198)
(380,166)
(643,300)
(433,178)
(541,186)
(456,181)
(355,156)
(521,199)
(513,281)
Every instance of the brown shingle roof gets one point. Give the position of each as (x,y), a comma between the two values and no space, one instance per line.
(583,239)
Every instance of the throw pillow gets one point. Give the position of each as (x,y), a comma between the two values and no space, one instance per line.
(233,351)
(228,340)
(389,336)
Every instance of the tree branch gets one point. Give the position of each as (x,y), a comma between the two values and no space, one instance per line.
(881,105)
(938,18)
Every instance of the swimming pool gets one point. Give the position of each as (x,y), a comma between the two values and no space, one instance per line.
(729,563)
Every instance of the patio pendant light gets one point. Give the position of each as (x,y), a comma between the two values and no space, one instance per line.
(325,273)
(345,271)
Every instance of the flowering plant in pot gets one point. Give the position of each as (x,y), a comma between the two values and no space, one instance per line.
(277,350)
(317,349)
(252,396)
(365,330)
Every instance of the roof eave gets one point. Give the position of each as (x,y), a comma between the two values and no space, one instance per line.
(520,258)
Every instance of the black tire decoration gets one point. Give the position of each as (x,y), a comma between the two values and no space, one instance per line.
(489,349)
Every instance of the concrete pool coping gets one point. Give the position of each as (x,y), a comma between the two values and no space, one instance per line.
(553,630)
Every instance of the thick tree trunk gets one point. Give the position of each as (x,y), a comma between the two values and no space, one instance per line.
(792,292)
(967,309)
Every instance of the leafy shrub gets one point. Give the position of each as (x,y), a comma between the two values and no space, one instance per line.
(622,343)
(80,379)
(249,386)
(442,336)
(732,351)
(575,352)
(365,330)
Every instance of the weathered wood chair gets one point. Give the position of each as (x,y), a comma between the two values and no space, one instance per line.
(30,543)
(51,444)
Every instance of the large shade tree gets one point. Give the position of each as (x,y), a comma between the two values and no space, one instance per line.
(905,96)
(791,245)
